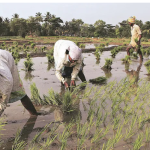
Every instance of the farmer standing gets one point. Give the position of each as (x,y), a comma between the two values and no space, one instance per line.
(68,62)
(136,36)
(10,82)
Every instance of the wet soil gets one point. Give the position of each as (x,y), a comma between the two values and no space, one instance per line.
(17,117)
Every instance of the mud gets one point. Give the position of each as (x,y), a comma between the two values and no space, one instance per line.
(17,117)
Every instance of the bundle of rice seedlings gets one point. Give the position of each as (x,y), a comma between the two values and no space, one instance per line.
(52,98)
(98,80)
(35,95)
(97,55)
(147,63)
(67,100)
(50,57)
(135,55)
(82,46)
(126,59)
(108,63)
(28,65)
(99,49)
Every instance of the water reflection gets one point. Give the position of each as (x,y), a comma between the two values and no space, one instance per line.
(49,66)
(132,75)
(97,61)
(28,76)
(107,72)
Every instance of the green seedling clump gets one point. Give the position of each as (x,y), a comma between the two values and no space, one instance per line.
(82,46)
(108,63)
(28,63)
(147,63)
(126,59)
(50,56)
(99,80)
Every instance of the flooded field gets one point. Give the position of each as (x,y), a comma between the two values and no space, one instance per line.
(45,79)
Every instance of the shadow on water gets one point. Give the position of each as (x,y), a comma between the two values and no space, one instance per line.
(25,132)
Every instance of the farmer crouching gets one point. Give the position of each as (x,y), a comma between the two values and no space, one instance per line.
(68,62)
(10,82)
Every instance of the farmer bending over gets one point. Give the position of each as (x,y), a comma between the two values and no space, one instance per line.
(135,38)
(68,61)
(10,82)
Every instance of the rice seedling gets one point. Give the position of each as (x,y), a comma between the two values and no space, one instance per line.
(82,46)
(50,58)
(37,137)
(107,44)
(18,145)
(108,63)
(112,141)
(35,49)
(43,48)
(64,136)
(24,45)
(135,55)
(147,63)
(99,49)
(28,76)
(138,142)
(130,131)
(81,134)
(102,45)
(98,80)
(32,45)
(113,53)
(126,59)
(53,98)
(28,63)
(99,135)
(67,102)
(97,55)
(147,133)
(35,95)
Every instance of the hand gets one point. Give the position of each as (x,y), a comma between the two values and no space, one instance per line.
(66,84)
(73,83)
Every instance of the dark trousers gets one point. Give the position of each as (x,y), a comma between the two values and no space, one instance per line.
(66,73)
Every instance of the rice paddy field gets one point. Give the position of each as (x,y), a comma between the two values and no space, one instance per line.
(111,114)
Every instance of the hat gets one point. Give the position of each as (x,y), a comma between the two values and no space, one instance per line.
(131,19)
(74,52)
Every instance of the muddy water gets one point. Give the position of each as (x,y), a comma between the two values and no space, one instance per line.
(17,117)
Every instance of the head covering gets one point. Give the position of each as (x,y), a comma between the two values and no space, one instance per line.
(74,52)
(132,19)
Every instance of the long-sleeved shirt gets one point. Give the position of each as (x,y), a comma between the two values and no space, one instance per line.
(9,79)
(61,59)
(135,32)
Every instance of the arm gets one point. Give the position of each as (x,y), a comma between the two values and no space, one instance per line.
(76,69)
(59,66)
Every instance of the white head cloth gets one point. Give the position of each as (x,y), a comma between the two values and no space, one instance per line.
(74,52)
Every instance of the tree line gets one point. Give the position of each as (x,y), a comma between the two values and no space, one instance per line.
(50,25)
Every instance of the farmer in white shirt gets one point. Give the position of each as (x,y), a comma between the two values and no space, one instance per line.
(10,82)
(136,36)
(68,61)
